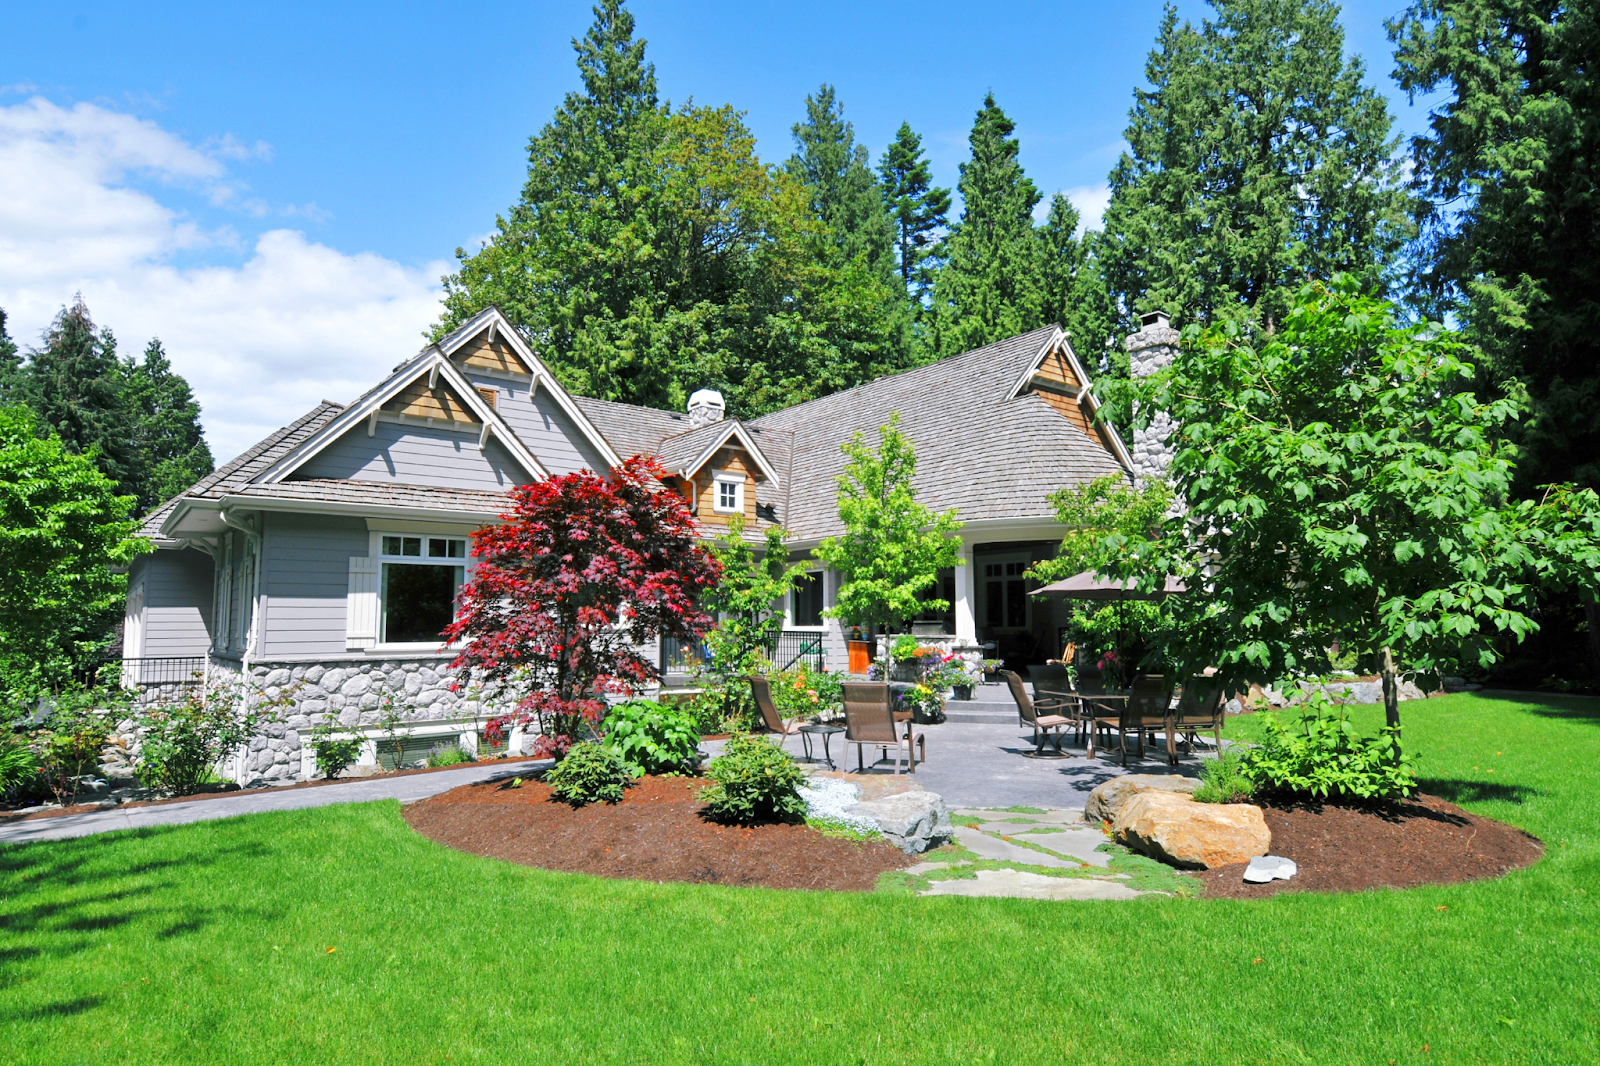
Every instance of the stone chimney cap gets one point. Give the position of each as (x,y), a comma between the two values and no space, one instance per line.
(705,407)
(1154,318)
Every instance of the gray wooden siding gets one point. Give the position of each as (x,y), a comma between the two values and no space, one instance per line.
(177,602)
(305,575)
(416,455)
(549,434)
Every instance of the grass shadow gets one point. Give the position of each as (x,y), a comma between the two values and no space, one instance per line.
(1457,791)
(52,1011)
(1548,705)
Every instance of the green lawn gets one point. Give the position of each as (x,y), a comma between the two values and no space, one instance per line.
(210,944)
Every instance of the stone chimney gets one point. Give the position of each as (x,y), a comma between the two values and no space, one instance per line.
(1150,350)
(705,407)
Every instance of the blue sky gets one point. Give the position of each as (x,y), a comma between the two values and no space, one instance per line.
(274,190)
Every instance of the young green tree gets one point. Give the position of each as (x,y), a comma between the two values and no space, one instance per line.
(1257,160)
(1511,215)
(1343,483)
(989,285)
(171,448)
(1073,289)
(65,539)
(652,253)
(76,386)
(893,547)
(918,208)
(836,171)
(747,602)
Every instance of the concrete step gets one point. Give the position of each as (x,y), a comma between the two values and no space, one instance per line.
(983,714)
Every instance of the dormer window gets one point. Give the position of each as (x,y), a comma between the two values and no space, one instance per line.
(729,497)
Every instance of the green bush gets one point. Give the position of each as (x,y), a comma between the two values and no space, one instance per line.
(73,739)
(181,744)
(651,737)
(449,753)
(589,773)
(753,781)
(1325,757)
(333,756)
(708,710)
(1223,780)
(19,763)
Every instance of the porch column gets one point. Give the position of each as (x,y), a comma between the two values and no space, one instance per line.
(966,618)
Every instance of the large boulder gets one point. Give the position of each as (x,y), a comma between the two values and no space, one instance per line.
(912,821)
(1175,829)
(1108,799)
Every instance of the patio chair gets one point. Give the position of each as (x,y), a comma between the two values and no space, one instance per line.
(1200,709)
(761,689)
(1043,724)
(1146,708)
(869,722)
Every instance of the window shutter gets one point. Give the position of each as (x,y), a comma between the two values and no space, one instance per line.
(361,605)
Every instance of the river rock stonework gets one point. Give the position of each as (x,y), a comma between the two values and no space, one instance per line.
(355,696)
(1151,350)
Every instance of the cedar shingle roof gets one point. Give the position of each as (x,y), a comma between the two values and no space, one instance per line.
(384,494)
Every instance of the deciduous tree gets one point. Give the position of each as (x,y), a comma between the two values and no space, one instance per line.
(746,603)
(893,547)
(582,572)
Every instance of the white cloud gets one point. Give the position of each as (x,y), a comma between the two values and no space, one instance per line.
(1091,202)
(261,340)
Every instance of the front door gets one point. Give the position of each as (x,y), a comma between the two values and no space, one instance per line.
(1004,592)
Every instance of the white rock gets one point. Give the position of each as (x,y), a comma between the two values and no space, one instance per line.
(912,821)
(1264,868)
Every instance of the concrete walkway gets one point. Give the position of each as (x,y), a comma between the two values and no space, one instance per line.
(407,789)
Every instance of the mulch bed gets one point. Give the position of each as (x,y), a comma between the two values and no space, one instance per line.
(1425,841)
(655,834)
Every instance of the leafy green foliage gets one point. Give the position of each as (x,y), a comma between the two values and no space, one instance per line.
(1073,290)
(844,193)
(1325,756)
(448,753)
(753,782)
(1512,210)
(893,547)
(19,763)
(590,772)
(988,288)
(73,739)
(651,737)
(334,755)
(918,208)
(170,445)
(652,252)
(1224,780)
(802,691)
(1257,159)
(181,744)
(742,602)
(64,536)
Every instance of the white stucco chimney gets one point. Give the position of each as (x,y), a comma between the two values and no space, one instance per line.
(705,407)
(1151,350)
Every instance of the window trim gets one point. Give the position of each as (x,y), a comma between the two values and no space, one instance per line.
(462,563)
(790,614)
(727,477)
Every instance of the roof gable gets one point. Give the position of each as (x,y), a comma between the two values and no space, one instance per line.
(686,453)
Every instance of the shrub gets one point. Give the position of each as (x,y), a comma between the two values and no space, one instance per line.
(1326,757)
(333,756)
(753,781)
(708,710)
(449,753)
(1223,780)
(651,737)
(589,773)
(181,744)
(804,691)
(19,763)
(74,736)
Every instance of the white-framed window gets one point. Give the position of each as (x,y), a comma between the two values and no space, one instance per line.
(419,578)
(728,489)
(805,600)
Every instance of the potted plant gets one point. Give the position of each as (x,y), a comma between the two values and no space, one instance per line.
(991,669)
(905,657)
(951,673)
(925,702)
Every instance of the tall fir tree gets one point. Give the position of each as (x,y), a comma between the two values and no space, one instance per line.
(1257,159)
(989,285)
(1511,204)
(652,253)
(10,368)
(1074,290)
(75,384)
(171,446)
(919,210)
(844,193)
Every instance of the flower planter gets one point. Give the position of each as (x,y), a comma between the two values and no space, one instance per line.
(961,692)
(928,715)
(908,670)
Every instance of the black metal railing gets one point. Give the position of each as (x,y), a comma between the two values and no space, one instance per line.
(164,671)
(793,649)
(680,656)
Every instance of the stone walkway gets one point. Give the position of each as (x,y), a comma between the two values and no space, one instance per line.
(406,789)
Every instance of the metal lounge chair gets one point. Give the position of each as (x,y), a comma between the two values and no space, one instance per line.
(761,689)
(1200,710)
(1043,724)
(869,722)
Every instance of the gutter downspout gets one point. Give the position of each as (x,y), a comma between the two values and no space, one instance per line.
(249,527)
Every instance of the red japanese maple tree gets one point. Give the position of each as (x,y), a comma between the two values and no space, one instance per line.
(583,571)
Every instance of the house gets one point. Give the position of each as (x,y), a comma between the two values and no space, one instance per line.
(322,563)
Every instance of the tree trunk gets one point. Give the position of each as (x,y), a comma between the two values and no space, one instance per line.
(1391,698)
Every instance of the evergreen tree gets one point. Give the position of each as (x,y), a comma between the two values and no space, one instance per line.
(844,193)
(10,367)
(652,253)
(171,447)
(75,385)
(1074,291)
(1257,159)
(988,287)
(1511,216)
(918,208)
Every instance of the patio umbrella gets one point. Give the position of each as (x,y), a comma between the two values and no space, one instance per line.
(1090,586)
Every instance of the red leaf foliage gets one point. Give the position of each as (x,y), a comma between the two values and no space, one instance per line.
(583,570)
